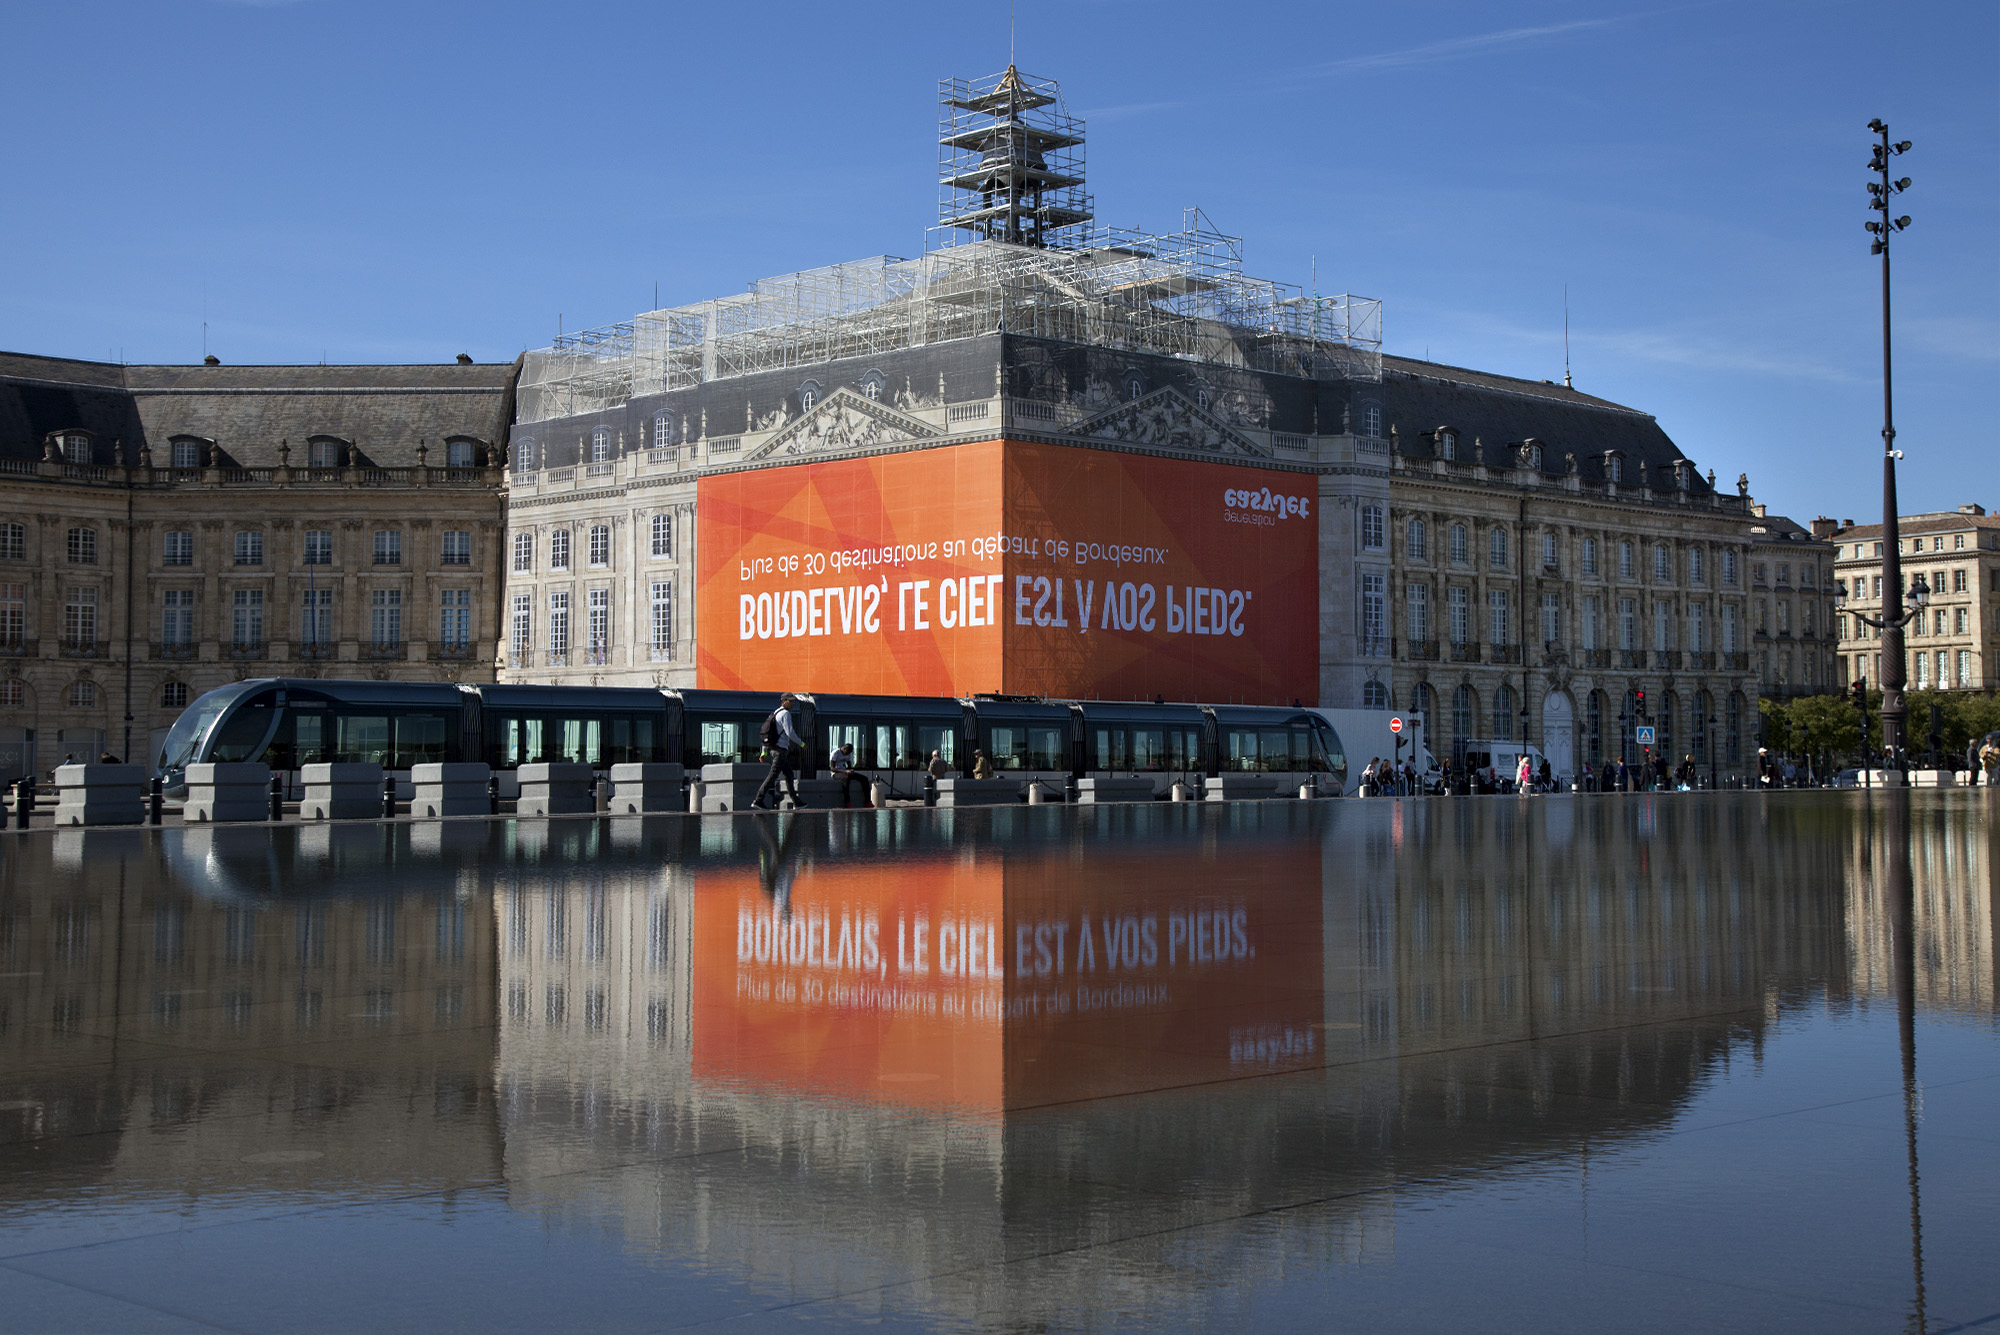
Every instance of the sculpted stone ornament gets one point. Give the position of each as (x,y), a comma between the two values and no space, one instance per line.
(844,420)
(1169,419)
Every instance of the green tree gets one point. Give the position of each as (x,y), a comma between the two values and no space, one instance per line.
(1824,724)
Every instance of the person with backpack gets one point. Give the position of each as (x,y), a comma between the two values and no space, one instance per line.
(781,740)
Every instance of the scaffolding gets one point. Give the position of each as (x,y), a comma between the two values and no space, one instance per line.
(1010,162)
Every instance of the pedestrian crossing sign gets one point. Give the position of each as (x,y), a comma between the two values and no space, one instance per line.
(1645,736)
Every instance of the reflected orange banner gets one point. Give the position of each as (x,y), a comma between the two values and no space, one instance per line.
(1005,983)
(1009,566)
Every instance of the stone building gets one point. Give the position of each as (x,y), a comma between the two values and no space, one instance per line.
(1955,643)
(1552,556)
(1498,554)
(1791,606)
(166,529)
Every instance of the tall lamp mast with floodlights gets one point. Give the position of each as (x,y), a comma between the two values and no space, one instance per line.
(1893,710)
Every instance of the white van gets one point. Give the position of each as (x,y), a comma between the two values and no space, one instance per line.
(1365,734)
(1503,758)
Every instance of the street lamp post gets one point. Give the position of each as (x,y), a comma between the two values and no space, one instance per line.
(1893,712)
(1712,721)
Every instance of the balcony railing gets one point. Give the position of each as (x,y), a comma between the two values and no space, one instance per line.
(1465,651)
(1422,651)
(174,651)
(1736,662)
(558,658)
(453,649)
(1503,653)
(20,648)
(662,653)
(1596,658)
(597,655)
(243,649)
(1701,659)
(1666,660)
(384,651)
(1632,660)
(75,648)
(318,651)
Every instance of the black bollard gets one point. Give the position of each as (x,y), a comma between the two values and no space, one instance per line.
(24,801)
(277,797)
(1071,793)
(493,795)
(156,800)
(388,797)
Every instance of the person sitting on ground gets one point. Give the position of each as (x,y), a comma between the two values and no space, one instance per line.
(982,768)
(842,765)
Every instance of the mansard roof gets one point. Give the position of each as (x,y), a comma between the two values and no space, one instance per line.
(1500,412)
(384,410)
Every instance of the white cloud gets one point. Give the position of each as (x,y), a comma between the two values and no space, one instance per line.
(1458,48)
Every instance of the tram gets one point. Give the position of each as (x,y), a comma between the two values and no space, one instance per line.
(288,723)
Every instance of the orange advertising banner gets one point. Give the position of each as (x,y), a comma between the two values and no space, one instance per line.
(1008,566)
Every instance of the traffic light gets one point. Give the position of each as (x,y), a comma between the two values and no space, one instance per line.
(1861,694)
(1639,704)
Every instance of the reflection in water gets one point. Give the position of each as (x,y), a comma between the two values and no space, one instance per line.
(879,1048)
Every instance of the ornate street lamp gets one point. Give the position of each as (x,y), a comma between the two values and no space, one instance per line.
(1915,599)
(1893,711)
(1712,722)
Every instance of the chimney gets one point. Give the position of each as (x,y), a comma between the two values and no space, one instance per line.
(1823,527)
(1972,509)
(465,359)
(211,360)
(1757,510)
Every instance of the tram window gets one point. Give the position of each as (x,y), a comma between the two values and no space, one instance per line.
(362,739)
(835,736)
(301,740)
(893,747)
(721,743)
(1026,748)
(944,741)
(1149,748)
(1112,749)
(419,739)
(241,736)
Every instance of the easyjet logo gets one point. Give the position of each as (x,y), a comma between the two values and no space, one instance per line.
(1269,502)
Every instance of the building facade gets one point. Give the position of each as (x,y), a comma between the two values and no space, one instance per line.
(1954,644)
(1792,606)
(166,529)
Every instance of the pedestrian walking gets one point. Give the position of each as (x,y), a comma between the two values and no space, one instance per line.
(781,740)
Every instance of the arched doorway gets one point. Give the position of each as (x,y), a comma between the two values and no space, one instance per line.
(1559,735)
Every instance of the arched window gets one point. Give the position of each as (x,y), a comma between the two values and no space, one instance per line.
(600,445)
(663,535)
(1418,540)
(1550,548)
(174,695)
(1372,535)
(1464,720)
(1503,713)
(1593,727)
(1423,701)
(1732,729)
(1374,695)
(1458,547)
(1698,726)
(663,430)
(83,695)
(872,384)
(1669,705)
(810,394)
(1497,543)
(1135,385)
(13,693)
(1663,564)
(524,455)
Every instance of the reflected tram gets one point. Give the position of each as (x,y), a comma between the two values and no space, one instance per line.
(288,723)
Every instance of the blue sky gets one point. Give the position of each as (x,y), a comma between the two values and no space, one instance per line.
(402,182)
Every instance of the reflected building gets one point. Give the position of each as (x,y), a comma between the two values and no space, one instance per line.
(1955,883)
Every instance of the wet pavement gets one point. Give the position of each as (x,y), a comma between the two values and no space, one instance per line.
(1725,1061)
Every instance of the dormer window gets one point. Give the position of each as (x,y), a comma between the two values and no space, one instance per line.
(75,447)
(809,396)
(1447,444)
(600,446)
(1135,386)
(1531,455)
(324,452)
(1614,466)
(524,455)
(872,384)
(1371,419)
(458,454)
(185,453)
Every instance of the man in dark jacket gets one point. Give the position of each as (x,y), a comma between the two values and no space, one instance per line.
(784,744)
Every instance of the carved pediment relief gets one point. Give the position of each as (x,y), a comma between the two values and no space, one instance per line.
(1166,418)
(844,420)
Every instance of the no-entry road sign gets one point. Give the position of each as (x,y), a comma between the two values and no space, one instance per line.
(1395,725)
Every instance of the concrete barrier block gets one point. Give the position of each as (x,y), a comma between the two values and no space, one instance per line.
(556,788)
(440,789)
(640,788)
(979,792)
(220,791)
(93,794)
(345,791)
(1098,790)
(730,786)
(1242,788)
